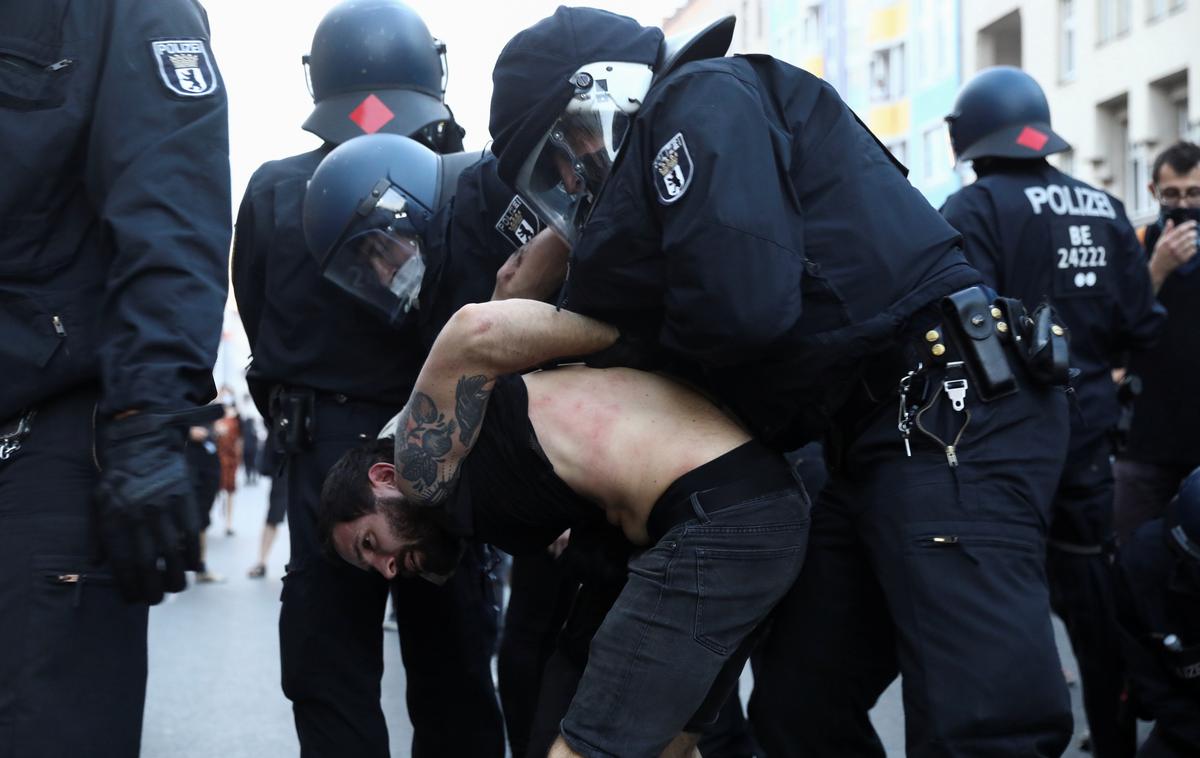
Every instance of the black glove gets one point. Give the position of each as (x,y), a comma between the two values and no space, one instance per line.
(149,528)
(630,351)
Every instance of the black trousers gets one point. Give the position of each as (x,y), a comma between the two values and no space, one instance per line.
(1081,593)
(928,570)
(540,594)
(331,633)
(72,653)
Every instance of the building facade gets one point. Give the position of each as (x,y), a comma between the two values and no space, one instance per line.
(1122,78)
(749,36)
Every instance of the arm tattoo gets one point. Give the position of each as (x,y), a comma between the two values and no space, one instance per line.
(429,439)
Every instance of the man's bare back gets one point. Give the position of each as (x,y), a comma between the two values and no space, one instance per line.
(619,437)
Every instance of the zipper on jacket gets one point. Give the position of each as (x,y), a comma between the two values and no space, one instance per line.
(59,329)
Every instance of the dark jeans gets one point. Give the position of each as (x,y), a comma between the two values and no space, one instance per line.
(935,572)
(72,653)
(331,633)
(669,651)
(1142,493)
(1081,593)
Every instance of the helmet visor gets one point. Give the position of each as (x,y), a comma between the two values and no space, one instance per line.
(381,267)
(563,175)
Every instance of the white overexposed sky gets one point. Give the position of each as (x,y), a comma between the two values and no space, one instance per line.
(258,44)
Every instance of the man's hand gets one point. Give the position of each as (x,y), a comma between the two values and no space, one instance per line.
(1175,247)
(536,270)
(149,528)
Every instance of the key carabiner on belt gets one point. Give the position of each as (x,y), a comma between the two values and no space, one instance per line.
(11,434)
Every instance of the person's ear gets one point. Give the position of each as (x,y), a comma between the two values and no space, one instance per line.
(382,474)
(1153,190)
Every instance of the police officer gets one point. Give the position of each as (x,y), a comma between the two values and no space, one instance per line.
(1036,233)
(734,213)
(1158,593)
(115,215)
(329,370)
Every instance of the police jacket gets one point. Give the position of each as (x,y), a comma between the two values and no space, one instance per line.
(1158,594)
(1166,416)
(754,226)
(305,332)
(1040,235)
(114,203)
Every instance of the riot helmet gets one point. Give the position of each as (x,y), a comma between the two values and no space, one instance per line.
(565,94)
(1002,113)
(1184,521)
(375,67)
(367,211)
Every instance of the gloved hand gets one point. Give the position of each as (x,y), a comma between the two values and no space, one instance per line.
(149,528)
(629,351)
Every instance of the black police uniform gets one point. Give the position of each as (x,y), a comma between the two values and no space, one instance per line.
(115,215)
(1164,439)
(1158,595)
(1038,234)
(756,228)
(339,372)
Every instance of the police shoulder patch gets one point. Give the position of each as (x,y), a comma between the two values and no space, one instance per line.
(184,66)
(672,169)
(519,223)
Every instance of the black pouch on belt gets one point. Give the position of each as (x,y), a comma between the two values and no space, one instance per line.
(974,332)
(293,419)
(1046,351)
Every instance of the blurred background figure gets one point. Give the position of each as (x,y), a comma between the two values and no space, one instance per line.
(228,431)
(251,448)
(271,465)
(204,468)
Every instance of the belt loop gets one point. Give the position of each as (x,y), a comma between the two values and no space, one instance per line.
(700,514)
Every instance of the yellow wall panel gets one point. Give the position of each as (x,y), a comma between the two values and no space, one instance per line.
(891,120)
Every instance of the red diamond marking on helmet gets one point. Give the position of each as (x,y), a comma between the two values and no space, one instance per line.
(371,114)
(1032,138)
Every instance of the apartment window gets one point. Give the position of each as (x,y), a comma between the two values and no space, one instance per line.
(1155,9)
(946,32)
(937,159)
(899,149)
(1114,18)
(1138,174)
(887,73)
(1176,5)
(1067,40)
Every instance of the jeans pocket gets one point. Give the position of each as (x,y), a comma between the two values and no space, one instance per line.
(737,588)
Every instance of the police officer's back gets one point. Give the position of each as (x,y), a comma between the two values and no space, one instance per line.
(114,211)
(1043,236)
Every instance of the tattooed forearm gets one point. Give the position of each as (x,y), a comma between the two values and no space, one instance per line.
(426,458)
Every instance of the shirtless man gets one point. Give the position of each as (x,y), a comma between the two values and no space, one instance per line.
(722,520)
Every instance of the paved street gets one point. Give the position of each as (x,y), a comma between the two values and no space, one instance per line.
(214,662)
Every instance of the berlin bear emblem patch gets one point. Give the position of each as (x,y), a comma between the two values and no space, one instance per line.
(185,67)
(672,169)
(519,224)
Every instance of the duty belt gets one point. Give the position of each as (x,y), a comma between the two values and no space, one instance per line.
(13,431)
